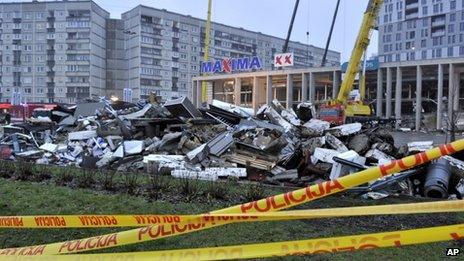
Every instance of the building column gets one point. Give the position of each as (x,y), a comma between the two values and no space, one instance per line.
(336,85)
(457,82)
(238,91)
(255,94)
(289,100)
(312,87)
(418,97)
(199,93)
(194,96)
(450,90)
(440,98)
(304,87)
(269,91)
(388,99)
(379,102)
(326,90)
(398,95)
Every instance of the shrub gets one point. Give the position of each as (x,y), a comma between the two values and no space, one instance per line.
(254,192)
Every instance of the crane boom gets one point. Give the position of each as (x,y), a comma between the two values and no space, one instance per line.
(206,51)
(290,27)
(360,47)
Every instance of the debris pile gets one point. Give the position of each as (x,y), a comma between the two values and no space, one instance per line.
(276,145)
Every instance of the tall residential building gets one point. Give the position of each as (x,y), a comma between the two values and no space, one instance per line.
(165,49)
(52,51)
(65,51)
(421,29)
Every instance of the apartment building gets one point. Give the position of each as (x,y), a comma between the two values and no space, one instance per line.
(421,29)
(66,51)
(52,51)
(165,49)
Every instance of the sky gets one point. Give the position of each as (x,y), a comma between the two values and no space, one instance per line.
(271,17)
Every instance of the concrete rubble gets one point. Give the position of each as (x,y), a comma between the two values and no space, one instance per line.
(275,145)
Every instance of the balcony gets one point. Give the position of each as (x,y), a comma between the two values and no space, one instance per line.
(411,16)
(16,63)
(437,23)
(51,52)
(18,84)
(50,30)
(51,85)
(50,95)
(51,73)
(438,33)
(413,5)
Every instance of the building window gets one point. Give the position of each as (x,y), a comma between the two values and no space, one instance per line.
(450,51)
(424,43)
(453,5)
(425,10)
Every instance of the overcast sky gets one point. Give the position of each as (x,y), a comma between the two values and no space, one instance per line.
(271,17)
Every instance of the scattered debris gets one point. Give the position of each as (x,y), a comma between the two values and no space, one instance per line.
(277,145)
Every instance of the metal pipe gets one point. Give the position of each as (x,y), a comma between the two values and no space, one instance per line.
(349,163)
(437,179)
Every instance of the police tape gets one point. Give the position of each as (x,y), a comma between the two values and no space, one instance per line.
(275,249)
(269,204)
(93,221)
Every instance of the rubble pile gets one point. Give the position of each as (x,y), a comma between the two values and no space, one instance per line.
(276,145)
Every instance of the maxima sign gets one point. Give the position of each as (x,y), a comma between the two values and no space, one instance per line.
(230,65)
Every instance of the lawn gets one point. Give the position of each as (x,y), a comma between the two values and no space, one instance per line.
(29,198)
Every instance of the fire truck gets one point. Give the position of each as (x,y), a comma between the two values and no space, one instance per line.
(19,113)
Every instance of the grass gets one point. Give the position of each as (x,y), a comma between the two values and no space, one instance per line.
(33,198)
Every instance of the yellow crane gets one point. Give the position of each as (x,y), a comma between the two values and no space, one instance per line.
(206,48)
(337,111)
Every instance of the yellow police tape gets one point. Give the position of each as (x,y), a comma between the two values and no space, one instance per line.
(93,221)
(286,248)
(273,203)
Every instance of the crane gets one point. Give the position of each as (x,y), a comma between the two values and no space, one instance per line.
(206,48)
(290,27)
(337,111)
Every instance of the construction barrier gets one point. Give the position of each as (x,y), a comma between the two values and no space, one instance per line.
(94,221)
(270,204)
(276,249)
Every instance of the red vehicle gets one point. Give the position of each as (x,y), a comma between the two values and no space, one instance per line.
(21,112)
